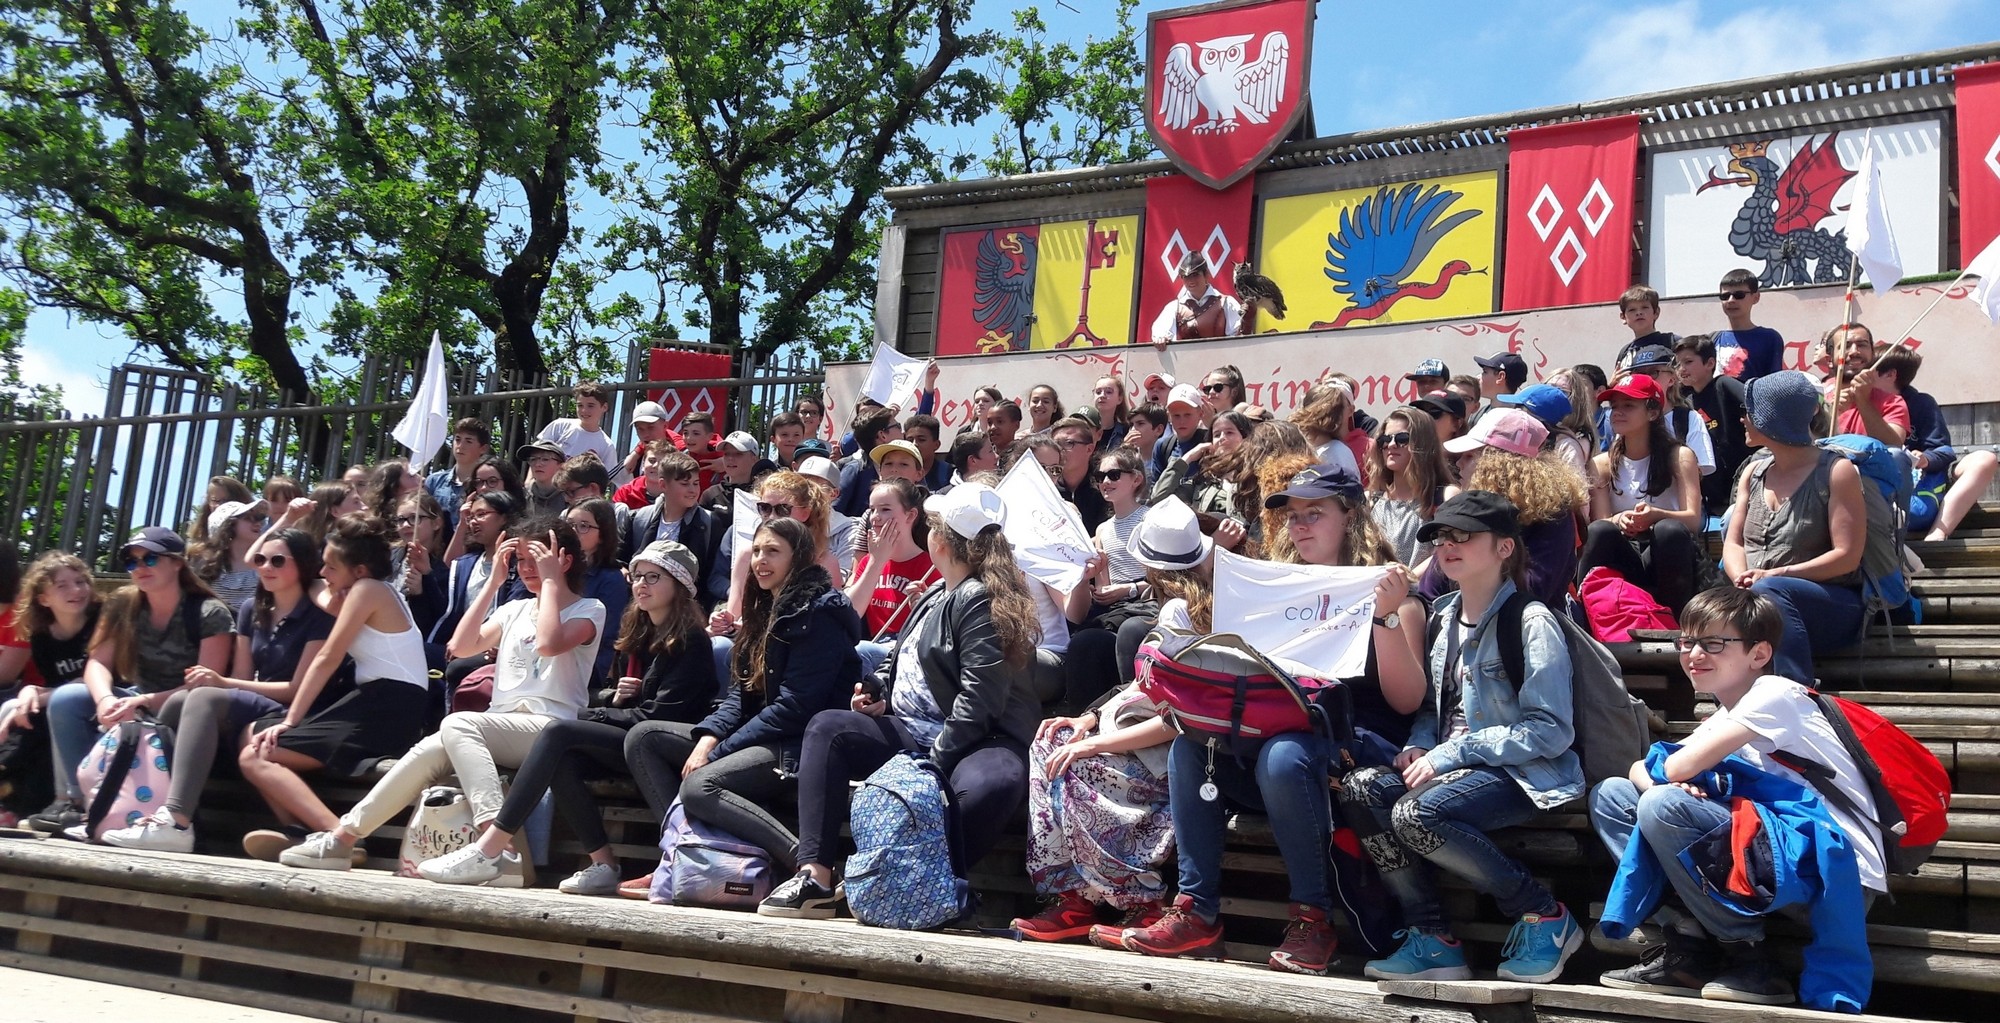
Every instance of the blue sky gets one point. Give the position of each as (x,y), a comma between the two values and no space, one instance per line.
(1381,65)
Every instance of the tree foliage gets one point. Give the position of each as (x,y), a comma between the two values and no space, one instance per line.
(1065,105)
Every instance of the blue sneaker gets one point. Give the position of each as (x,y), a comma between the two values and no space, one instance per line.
(1538,947)
(1422,956)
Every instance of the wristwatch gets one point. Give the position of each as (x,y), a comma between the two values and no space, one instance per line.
(1391,620)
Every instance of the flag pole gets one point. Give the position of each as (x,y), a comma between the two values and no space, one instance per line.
(1840,354)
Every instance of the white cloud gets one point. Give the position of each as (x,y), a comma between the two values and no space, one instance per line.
(1670,45)
(82,390)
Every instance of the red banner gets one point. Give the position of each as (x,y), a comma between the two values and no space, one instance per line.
(671,364)
(1978,158)
(986,290)
(1182,216)
(1569,212)
(1226,82)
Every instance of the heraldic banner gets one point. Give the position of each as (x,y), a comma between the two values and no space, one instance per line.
(1182,216)
(1084,279)
(1416,250)
(1978,158)
(1569,212)
(986,289)
(1226,82)
(669,364)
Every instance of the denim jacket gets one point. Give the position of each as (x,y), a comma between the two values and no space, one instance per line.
(1528,734)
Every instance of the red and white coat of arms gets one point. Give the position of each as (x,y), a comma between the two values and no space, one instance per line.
(1226,82)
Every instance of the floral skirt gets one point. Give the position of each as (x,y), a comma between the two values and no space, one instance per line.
(1102,828)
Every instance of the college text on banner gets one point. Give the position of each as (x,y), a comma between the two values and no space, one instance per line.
(1312,619)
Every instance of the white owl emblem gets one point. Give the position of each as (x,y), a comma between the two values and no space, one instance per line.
(1225,84)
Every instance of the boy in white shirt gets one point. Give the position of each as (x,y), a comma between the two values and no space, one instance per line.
(1727,639)
(586,431)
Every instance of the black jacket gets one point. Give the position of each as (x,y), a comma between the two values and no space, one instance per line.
(982,696)
(682,687)
(810,664)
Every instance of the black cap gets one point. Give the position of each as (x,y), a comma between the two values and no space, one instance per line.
(1323,480)
(1509,363)
(1438,403)
(809,447)
(159,540)
(1649,356)
(1474,511)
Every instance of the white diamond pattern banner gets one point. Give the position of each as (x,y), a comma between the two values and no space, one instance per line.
(1569,234)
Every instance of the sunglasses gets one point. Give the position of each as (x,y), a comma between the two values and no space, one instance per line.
(770,510)
(1401,439)
(275,560)
(1708,644)
(1452,536)
(1114,475)
(149,560)
(1214,388)
(1732,295)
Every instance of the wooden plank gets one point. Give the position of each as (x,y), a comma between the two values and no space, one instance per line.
(535,998)
(317,966)
(192,988)
(1463,992)
(142,899)
(1639,1005)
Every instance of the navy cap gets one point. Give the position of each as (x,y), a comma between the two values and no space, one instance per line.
(1438,403)
(1326,479)
(1545,402)
(1515,367)
(159,540)
(811,446)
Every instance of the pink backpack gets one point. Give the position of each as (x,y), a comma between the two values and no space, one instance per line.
(1616,606)
(124,777)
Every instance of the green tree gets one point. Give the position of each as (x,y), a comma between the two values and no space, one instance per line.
(1069,106)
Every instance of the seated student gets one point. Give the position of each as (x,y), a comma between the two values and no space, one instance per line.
(1099,830)
(699,437)
(222,557)
(1243,469)
(540,460)
(1481,756)
(959,693)
(972,453)
(471,444)
(1769,724)
(604,576)
(844,535)
(873,428)
(894,460)
(779,495)
(1447,412)
(897,568)
(1408,478)
(1192,476)
(1076,450)
(1868,404)
(221,490)
(1645,499)
(1682,420)
(151,632)
(675,512)
(1187,426)
(1044,408)
(1514,461)
(543,646)
(794,657)
(1573,434)
(54,616)
(278,632)
(1327,418)
(663,648)
(1143,430)
(788,431)
(486,516)
(1799,525)
(1951,482)
(387,484)
(739,468)
(649,428)
(1113,591)
(1718,400)
(418,563)
(584,478)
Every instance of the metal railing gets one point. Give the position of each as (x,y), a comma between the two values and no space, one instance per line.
(82,483)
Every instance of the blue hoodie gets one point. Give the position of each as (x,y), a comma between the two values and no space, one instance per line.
(1812,862)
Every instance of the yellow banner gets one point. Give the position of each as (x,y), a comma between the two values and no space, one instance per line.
(1075,309)
(1415,250)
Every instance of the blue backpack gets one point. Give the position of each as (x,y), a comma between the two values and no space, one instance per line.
(905,871)
(1886,489)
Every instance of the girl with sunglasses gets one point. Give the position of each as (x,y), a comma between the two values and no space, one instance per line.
(152,631)
(277,631)
(1408,478)
(1113,591)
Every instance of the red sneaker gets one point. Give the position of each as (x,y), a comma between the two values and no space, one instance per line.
(1143,915)
(1068,918)
(1309,942)
(1178,932)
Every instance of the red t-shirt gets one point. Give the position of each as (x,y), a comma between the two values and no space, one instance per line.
(633,495)
(32,676)
(1892,407)
(886,606)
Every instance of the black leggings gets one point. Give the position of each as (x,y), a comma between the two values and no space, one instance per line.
(988,783)
(1098,661)
(1660,561)
(565,755)
(729,792)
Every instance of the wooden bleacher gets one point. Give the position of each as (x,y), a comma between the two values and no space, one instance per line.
(368,946)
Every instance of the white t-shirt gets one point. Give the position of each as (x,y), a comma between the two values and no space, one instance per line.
(1696,439)
(526,682)
(1785,719)
(1337,452)
(570,435)
(1049,612)
(1628,486)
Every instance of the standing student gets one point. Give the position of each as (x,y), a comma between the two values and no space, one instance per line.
(584,433)
(1645,502)
(1107,395)
(1639,310)
(960,694)
(1745,351)
(1481,756)
(1660,822)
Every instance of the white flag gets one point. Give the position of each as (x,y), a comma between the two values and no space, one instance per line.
(1311,619)
(1045,531)
(1868,232)
(894,378)
(1986,267)
(428,424)
(743,519)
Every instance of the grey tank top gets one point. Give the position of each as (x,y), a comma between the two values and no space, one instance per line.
(1799,529)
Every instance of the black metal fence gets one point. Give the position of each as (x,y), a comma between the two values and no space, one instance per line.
(83,483)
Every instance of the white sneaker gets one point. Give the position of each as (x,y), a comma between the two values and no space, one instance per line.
(596,879)
(464,866)
(156,833)
(318,852)
(513,872)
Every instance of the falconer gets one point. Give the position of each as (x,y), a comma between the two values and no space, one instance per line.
(1199,310)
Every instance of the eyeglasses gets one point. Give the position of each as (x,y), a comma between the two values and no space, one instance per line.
(149,560)
(1727,296)
(1401,440)
(1114,475)
(1448,535)
(487,482)
(647,578)
(584,527)
(1214,388)
(1708,644)
(411,520)
(569,493)
(768,510)
(275,560)
(1073,443)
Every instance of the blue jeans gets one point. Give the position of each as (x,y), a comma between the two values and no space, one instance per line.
(1670,819)
(1444,821)
(872,656)
(1287,783)
(1818,619)
(72,717)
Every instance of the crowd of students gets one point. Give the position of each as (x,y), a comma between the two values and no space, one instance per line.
(877,608)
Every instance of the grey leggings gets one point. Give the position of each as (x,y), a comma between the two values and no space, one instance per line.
(729,793)
(202,720)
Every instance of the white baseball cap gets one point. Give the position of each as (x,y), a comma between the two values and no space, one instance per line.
(227,510)
(1166,380)
(742,441)
(821,467)
(649,412)
(1184,394)
(968,508)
